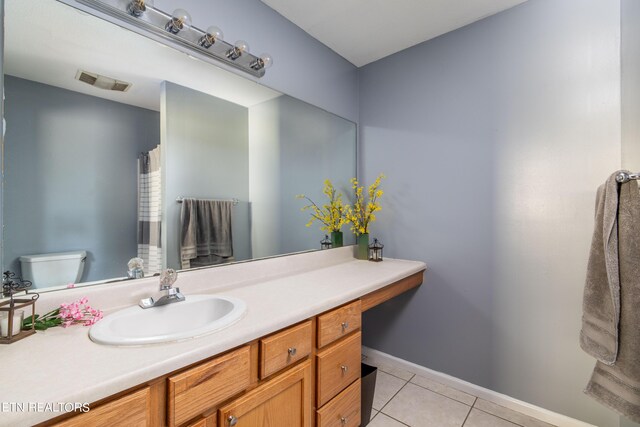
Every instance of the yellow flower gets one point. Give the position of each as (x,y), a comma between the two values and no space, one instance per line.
(361,214)
(332,215)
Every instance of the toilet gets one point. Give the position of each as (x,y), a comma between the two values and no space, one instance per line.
(54,269)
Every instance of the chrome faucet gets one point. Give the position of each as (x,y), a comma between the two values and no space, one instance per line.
(168,294)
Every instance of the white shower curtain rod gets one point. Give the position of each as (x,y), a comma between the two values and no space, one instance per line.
(235,201)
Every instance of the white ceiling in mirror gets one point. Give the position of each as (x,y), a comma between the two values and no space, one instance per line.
(67,40)
(363,31)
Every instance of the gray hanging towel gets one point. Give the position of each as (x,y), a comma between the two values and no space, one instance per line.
(206,236)
(615,381)
(601,303)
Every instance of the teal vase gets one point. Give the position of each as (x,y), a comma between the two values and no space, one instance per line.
(336,239)
(362,246)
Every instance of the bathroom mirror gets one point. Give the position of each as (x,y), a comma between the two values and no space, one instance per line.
(76,181)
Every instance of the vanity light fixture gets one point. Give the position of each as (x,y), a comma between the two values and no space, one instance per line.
(237,50)
(180,19)
(213,33)
(176,28)
(138,7)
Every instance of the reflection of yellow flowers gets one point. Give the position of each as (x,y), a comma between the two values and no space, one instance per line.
(362,213)
(332,215)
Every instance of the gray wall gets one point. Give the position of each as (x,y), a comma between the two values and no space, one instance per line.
(630,48)
(71,175)
(630,44)
(293,148)
(205,151)
(303,67)
(494,138)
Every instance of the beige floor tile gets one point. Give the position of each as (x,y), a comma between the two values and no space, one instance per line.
(386,386)
(389,368)
(451,392)
(373,413)
(381,420)
(478,418)
(419,407)
(509,414)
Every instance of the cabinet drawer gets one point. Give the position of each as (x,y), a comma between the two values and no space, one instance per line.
(337,323)
(284,348)
(343,410)
(201,388)
(130,410)
(338,366)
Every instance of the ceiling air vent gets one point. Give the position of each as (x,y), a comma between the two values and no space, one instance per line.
(102,82)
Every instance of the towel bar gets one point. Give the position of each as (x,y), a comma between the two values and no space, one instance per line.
(623,177)
(235,201)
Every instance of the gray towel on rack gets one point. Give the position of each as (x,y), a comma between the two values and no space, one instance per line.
(206,236)
(616,383)
(601,303)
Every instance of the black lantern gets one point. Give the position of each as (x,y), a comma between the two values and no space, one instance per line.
(326,243)
(375,251)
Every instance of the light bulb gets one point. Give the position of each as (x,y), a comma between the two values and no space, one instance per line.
(213,34)
(263,61)
(239,48)
(242,46)
(138,7)
(180,19)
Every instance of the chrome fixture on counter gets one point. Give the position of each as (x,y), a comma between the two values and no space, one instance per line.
(168,294)
(623,176)
(176,27)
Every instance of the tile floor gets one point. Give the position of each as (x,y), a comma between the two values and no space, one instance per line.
(404,399)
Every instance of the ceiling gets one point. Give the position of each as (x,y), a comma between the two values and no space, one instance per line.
(48,42)
(363,31)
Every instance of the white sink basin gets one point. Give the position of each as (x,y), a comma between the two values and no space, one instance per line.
(197,315)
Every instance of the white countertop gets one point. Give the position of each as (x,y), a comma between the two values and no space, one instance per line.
(64,365)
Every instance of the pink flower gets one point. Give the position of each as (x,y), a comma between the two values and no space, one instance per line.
(79,312)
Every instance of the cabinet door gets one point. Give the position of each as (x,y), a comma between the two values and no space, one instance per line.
(201,388)
(130,410)
(283,401)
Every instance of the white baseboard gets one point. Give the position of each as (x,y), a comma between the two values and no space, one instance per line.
(475,390)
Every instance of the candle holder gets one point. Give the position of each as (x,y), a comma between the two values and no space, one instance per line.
(11,325)
(375,251)
(326,243)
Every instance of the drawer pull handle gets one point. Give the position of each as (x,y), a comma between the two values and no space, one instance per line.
(344,420)
(344,369)
(345,326)
(292,351)
(232,420)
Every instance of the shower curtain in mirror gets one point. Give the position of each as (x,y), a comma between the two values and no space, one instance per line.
(149,211)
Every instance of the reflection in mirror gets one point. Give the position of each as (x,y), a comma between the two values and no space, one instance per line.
(93,176)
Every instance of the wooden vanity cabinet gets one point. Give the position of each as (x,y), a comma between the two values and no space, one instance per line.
(305,375)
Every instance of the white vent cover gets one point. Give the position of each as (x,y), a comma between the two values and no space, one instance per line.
(102,82)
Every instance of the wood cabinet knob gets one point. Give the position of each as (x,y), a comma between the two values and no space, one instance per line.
(344,368)
(344,420)
(292,351)
(345,326)
(232,420)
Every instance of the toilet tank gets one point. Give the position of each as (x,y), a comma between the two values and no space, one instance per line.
(54,269)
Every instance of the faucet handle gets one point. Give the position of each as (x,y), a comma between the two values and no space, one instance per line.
(168,278)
